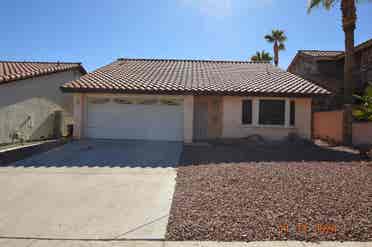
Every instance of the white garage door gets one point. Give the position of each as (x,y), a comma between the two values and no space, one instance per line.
(141,119)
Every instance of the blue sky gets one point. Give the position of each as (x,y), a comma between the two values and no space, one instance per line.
(98,32)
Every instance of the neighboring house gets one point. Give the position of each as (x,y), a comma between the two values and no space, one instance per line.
(187,100)
(32,106)
(326,68)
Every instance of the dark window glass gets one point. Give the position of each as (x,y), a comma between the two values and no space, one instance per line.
(293,114)
(247,112)
(272,112)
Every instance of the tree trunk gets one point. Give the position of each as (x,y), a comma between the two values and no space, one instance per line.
(276,53)
(348,25)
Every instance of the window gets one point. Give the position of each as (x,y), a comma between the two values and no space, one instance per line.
(292,120)
(123,101)
(148,102)
(247,112)
(272,112)
(98,100)
(170,102)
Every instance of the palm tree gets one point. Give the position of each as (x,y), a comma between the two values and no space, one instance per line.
(262,56)
(349,17)
(278,38)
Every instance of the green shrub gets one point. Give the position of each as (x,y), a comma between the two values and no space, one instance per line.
(363,112)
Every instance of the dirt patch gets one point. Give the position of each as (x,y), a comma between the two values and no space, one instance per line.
(273,201)
(242,150)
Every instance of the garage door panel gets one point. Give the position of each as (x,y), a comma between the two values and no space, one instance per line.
(168,121)
(135,121)
(108,115)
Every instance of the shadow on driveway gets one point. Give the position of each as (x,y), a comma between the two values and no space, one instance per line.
(108,153)
(249,151)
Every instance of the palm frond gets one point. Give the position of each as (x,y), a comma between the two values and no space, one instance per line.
(262,56)
(327,4)
(281,47)
(282,38)
(269,38)
(358,97)
(279,35)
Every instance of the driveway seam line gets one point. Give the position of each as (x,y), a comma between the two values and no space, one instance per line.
(143,225)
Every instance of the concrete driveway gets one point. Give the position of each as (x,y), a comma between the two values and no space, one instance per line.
(72,192)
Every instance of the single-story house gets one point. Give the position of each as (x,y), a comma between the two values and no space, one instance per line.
(31,105)
(188,100)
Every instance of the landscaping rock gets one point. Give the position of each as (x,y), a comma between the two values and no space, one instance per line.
(310,201)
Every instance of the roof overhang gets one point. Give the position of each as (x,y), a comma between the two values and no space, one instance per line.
(14,78)
(190,92)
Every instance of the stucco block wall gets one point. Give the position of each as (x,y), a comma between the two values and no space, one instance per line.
(362,133)
(329,125)
(29,106)
(233,127)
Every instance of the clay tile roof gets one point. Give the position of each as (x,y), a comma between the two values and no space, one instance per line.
(335,54)
(171,76)
(365,44)
(316,53)
(13,71)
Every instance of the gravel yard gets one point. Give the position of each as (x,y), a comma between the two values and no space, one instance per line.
(273,201)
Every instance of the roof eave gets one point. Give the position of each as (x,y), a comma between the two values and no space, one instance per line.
(293,61)
(190,92)
(33,75)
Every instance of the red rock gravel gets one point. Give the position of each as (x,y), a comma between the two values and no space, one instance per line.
(251,202)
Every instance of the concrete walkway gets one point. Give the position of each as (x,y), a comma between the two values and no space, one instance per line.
(65,243)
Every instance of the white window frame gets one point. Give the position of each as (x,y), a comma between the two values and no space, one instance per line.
(256,112)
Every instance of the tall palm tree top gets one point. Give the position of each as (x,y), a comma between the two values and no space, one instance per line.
(278,38)
(276,35)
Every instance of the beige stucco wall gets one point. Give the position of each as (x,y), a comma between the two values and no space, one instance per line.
(79,115)
(303,117)
(28,106)
(188,118)
(362,133)
(230,114)
(233,128)
(80,111)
